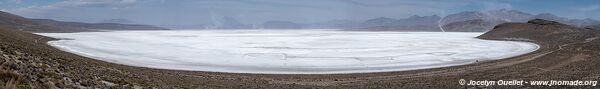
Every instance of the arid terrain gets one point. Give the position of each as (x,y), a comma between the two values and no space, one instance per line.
(566,53)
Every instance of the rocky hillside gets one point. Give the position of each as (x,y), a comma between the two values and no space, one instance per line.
(26,62)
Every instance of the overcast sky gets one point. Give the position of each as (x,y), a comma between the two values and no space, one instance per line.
(190,12)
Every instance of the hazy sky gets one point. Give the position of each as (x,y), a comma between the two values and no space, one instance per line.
(190,12)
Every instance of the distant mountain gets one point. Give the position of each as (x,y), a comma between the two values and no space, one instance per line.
(482,21)
(381,21)
(335,24)
(505,15)
(226,23)
(416,28)
(584,22)
(414,20)
(467,21)
(283,25)
(119,21)
(573,22)
(233,23)
(476,20)
(96,26)
(477,25)
(546,32)
(412,23)
(464,16)
(463,21)
(181,26)
(495,17)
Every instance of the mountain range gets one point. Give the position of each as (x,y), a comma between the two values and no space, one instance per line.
(467,21)
(47,25)
(494,17)
(120,21)
(475,21)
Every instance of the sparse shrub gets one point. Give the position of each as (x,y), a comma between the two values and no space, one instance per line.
(11,80)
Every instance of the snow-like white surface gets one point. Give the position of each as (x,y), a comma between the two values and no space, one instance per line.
(287,51)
